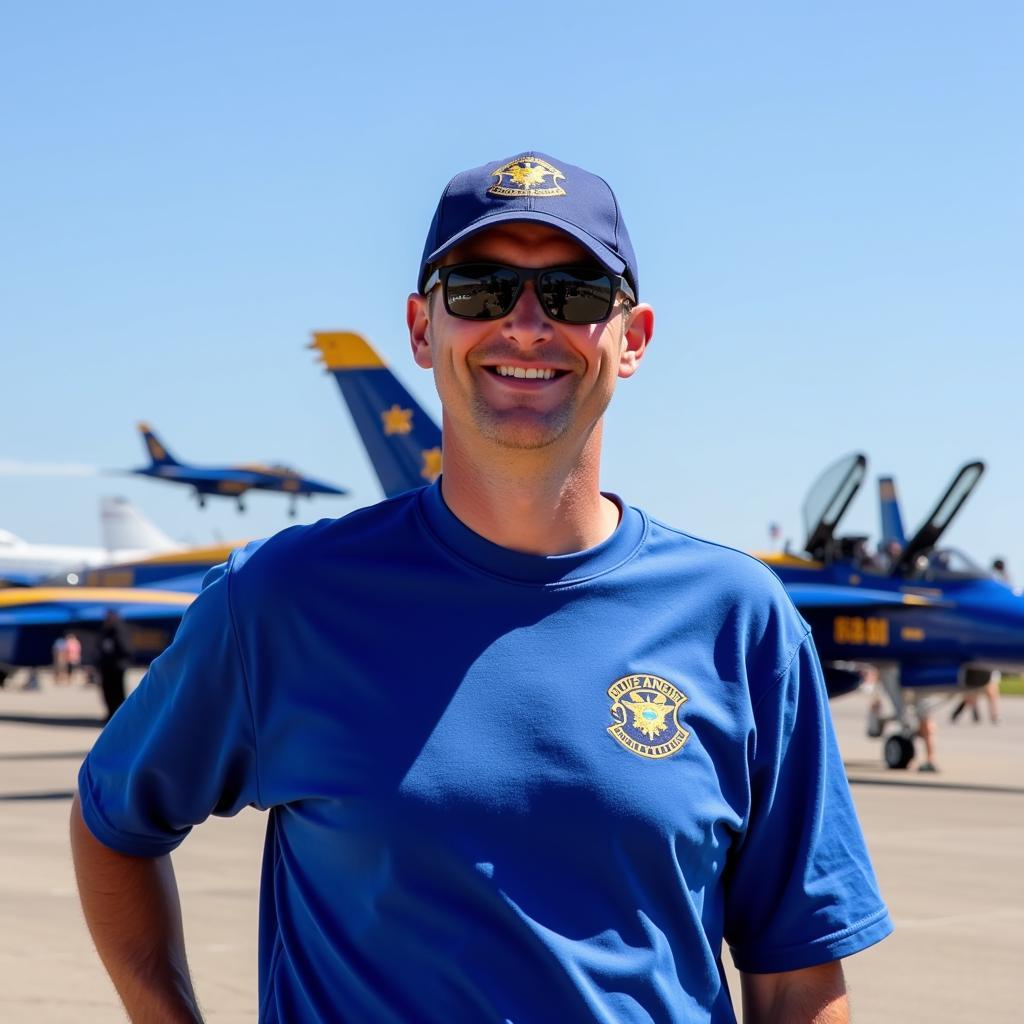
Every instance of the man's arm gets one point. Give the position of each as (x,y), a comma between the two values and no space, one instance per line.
(132,910)
(814,995)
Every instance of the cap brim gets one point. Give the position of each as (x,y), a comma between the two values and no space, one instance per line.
(605,256)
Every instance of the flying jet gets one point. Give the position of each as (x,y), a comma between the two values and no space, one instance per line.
(928,619)
(127,534)
(149,594)
(228,481)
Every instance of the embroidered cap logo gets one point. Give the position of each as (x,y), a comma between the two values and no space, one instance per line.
(527,176)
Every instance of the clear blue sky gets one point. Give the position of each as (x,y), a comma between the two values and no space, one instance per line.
(825,199)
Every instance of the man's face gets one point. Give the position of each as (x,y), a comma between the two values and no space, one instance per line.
(473,360)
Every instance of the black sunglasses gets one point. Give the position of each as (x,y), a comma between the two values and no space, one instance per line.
(488,291)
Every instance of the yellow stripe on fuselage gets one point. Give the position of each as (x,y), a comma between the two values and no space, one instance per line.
(21,596)
(789,561)
(345,350)
(259,467)
(212,554)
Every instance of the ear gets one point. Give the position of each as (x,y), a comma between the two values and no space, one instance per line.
(417,316)
(637,335)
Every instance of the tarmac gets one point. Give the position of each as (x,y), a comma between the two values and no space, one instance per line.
(947,849)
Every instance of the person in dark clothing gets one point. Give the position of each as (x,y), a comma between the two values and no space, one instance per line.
(111,661)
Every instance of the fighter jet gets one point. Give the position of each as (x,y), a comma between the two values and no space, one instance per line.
(228,481)
(926,617)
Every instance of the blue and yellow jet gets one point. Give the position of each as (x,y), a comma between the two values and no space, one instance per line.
(926,618)
(149,595)
(227,481)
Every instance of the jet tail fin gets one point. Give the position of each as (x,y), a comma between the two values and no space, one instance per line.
(124,527)
(157,451)
(889,511)
(402,441)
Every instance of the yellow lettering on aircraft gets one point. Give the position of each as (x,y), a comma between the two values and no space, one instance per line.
(397,420)
(110,578)
(142,639)
(860,631)
(431,464)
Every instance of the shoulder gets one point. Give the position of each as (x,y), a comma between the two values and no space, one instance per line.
(735,574)
(738,596)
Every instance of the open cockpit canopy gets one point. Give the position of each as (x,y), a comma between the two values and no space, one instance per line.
(827,501)
(937,522)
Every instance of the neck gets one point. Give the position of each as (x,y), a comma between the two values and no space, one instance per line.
(526,500)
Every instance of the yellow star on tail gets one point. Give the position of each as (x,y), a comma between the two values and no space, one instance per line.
(397,420)
(431,464)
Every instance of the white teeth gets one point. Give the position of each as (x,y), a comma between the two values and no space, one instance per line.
(525,374)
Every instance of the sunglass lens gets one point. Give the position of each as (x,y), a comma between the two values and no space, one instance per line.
(481,292)
(577,296)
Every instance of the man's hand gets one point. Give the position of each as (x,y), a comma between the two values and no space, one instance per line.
(132,910)
(814,995)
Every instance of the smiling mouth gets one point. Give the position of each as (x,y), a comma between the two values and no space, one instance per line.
(526,373)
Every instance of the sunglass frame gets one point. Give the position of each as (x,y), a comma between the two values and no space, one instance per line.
(440,276)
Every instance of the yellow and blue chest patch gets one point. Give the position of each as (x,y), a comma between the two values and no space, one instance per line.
(645,713)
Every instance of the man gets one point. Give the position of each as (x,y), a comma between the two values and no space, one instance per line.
(529,755)
(111,661)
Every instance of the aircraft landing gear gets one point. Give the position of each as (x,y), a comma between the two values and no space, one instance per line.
(292,510)
(201,498)
(241,504)
(899,751)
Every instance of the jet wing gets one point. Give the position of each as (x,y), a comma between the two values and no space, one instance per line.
(72,605)
(33,617)
(826,596)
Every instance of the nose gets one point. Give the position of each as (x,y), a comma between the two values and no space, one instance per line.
(527,323)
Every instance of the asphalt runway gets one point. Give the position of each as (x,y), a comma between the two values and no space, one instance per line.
(948,850)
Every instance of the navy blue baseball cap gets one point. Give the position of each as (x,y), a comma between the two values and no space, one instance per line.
(532,187)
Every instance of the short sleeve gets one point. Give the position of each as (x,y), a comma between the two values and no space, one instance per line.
(183,745)
(800,890)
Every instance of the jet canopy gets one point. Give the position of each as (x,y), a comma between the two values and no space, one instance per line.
(920,553)
(827,501)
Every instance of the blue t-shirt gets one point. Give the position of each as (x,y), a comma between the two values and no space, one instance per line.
(502,787)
